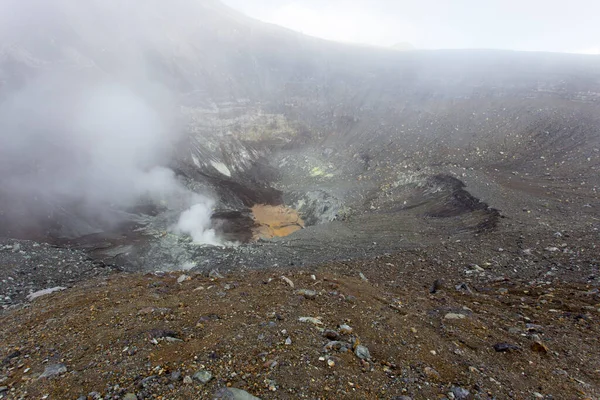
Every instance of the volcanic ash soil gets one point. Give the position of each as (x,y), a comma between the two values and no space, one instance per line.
(457,323)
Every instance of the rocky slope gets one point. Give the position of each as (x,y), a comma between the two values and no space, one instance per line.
(477,170)
(452,322)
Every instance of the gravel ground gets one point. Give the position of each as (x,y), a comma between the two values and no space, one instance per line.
(466,319)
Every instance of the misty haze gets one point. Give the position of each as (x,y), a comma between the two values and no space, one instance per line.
(283,199)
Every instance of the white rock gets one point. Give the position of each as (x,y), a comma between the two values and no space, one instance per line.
(311,320)
(44,292)
(454,316)
(288,281)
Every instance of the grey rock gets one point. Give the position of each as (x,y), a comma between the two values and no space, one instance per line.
(176,376)
(233,394)
(53,370)
(3,389)
(345,329)
(312,320)
(454,316)
(463,287)
(401,398)
(337,345)
(331,335)
(362,352)
(146,381)
(215,274)
(203,376)
(309,294)
(187,380)
(534,328)
(459,393)
(130,396)
(505,347)
(437,285)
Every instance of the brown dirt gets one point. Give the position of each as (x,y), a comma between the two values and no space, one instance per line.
(236,328)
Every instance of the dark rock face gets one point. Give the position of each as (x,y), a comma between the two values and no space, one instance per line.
(369,145)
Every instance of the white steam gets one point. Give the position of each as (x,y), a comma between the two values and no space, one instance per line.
(196,223)
(90,149)
(87,125)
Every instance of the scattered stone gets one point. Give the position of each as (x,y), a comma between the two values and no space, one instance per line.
(175,376)
(459,393)
(331,335)
(11,356)
(312,320)
(362,352)
(183,278)
(130,396)
(208,318)
(233,394)
(345,329)
(463,287)
(147,381)
(476,268)
(401,398)
(3,389)
(338,346)
(44,292)
(363,277)
(203,376)
(539,347)
(53,370)
(437,285)
(287,280)
(272,385)
(514,331)
(214,274)
(288,341)
(187,380)
(560,372)
(454,316)
(552,249)
(146,311)
(309,294)
(163,333)
(432,373)
(534,328)
(505,347)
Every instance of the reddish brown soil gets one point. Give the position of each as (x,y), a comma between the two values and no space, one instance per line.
(236,328)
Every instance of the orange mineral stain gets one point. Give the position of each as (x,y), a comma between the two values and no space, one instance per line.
(275,221)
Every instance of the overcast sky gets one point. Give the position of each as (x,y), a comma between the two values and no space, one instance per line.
(536,25)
